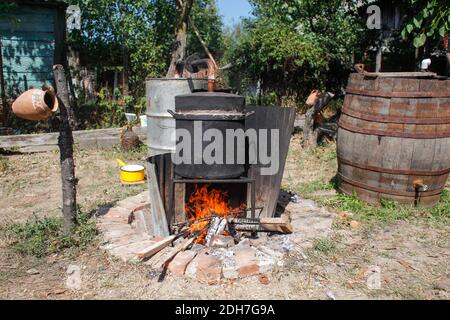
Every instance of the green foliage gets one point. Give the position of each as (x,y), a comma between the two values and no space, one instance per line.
(117,31)
(43,237)
(5,12)
(292,47)
(206,18)
(140,32)
(105,112)
(432,21)
(324,246)
(391,211)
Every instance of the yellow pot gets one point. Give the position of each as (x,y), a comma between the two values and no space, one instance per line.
(132,172)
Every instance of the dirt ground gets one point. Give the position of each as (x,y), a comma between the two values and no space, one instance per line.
(412,256)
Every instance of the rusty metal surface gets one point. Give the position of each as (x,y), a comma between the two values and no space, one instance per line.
(375,197)
(394,131)
(394,119)
(390,192)
(400,94)
(394,171)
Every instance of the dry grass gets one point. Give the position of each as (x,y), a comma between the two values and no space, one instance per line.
(312,173)
(31,185)
(412,255)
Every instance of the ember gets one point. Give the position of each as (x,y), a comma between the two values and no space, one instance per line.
(204,204)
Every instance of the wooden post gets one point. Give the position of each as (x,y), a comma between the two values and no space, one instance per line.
(65,143)
(3,88)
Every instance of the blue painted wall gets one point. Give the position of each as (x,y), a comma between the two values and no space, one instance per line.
(29,47)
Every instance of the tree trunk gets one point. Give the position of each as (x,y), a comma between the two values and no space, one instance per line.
(179,52)
(126,66)
(65,143)
(310,130)
(448,64)
(3,109)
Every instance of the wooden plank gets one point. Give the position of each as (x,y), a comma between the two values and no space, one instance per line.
(85,139)
(155,248)
(182,246)
(282,224)
(158,214)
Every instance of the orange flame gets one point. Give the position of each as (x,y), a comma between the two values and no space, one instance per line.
(204,203)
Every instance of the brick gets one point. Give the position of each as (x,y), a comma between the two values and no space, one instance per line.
(117,212)
(221,241)
(130,203)
(128,252)
(209,268)
(181,261)
(246,261)
(141,223)
(140,207)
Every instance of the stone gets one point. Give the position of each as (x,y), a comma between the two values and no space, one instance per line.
(244,243)
(264,279)
(271,252)
(343,216)
(266,263)
(181,261)
(209,268)
(221,241)
(246,261)
(229,267)
(330,295)
(73,281)
(191,270)
(32,272)
(261,240)
(355,224)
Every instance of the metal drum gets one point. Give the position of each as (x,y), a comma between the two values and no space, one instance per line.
(160,98)
(219,111)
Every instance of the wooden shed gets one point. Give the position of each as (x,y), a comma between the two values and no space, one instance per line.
(32,35)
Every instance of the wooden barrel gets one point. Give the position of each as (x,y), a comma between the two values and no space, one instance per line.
(394,139)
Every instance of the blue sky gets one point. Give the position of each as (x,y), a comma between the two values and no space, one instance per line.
(232,10)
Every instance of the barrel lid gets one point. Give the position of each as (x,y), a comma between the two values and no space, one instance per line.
(209,101)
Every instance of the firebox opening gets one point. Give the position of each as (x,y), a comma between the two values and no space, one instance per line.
(221,197)
(206,202)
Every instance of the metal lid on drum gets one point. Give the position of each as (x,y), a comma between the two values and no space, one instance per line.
(209,101)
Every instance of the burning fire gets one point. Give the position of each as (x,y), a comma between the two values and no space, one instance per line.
(205,203)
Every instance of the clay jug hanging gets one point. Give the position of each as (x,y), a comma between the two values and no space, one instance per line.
(35,105)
